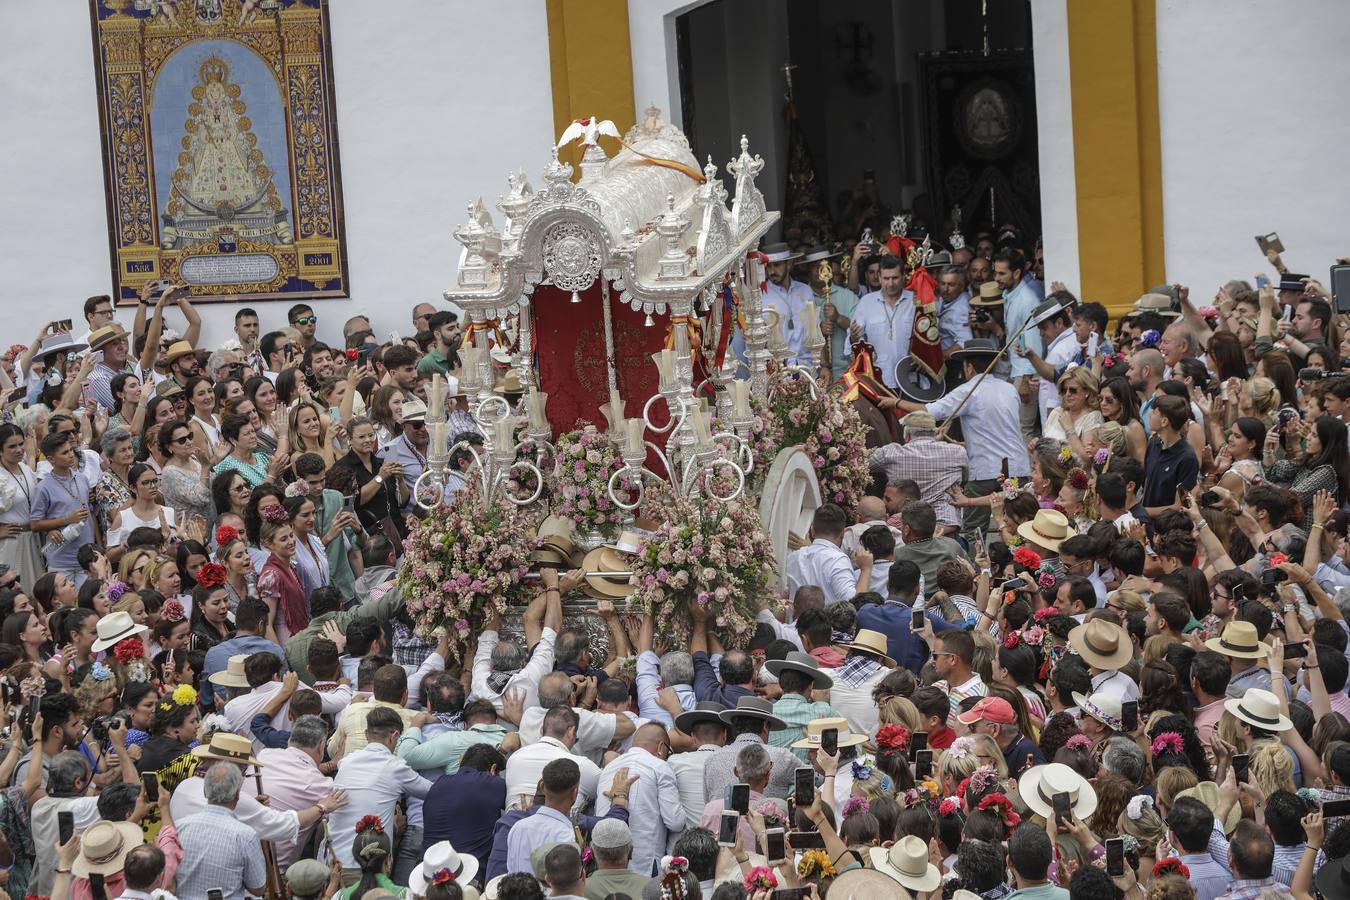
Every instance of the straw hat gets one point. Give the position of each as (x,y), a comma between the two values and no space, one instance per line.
(509,384)
(906,861)
(1239,640)
(601,587)
(990,295)
(104,848)
(115,627)
(1039,784)
(755,708)
(233,673)
(106,335)
(704,711)
(1207,792)
(555,542)
(177,349)
(414,410)
(615,557)
(227,747)
(873,642)
(814,728)
(1102,643)
(1259,708)
(804,663)
(441,855)
(1048,529)
(1105,708)
(868,884)
(1161,304)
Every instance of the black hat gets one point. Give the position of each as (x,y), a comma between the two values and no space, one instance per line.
(977,350)
(916,384)
(705,711)
(816,254)
(1333,879)
(1291,282)
(1045,311)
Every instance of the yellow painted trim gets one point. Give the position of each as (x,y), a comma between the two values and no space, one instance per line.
(1113,82)
(590,62)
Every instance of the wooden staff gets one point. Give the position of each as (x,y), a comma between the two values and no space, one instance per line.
(942,432)
(273,889)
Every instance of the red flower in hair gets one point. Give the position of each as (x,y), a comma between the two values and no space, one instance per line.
(443,876)
(1027,558)
(129,649)
(894,738)
(226,535)
(1171,866)
(948,807)
(172,611)
(1002,807)
(211,575)
(1079,479)
(368,822)
(1012,640)
(1041,615)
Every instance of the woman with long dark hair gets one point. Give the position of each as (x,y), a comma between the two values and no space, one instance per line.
(1318,462)
(1279,368)
(1238,461)
(1120,405)
(1225,355)
(18,483)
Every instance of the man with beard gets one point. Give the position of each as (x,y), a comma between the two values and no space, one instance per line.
(1145,373)
(786,297)
(843,301)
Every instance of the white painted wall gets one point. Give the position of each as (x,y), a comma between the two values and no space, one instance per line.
(1253,135)
(1054,119)
(435,103)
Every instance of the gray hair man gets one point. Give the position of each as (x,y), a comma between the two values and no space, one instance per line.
(297,767)
(500,666)
(219,851)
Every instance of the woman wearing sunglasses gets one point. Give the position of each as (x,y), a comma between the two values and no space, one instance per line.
(186,479)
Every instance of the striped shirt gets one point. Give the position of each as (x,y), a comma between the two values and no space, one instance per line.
(972,688)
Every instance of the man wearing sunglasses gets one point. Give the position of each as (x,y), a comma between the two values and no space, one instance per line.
(302,319)
(409,449)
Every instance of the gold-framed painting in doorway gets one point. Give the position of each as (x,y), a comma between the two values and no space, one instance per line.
(220,147)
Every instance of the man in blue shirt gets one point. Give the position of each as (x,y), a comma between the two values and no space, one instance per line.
(250,622)
(1189,824)
(462,807)
(892,618)
(60,509)
(1019,299)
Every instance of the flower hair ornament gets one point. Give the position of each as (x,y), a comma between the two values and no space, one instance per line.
(275,514)
(1277,559)
(1066,453)
(225,535)
(128,649)
(1001,806)
(297,488)
(1149,338)
(184,695)
(1171,866)
(1134,810)
(1034,636)
(99,672)
(761,878)
(172,611)
(949,806)
(1102,456)
(366,823)
(856,805)
(982,779)
(443,876)
(893,738)
(1079,742)
(1045,580)
(1027,558)
(816,862)
(211,575)
(1079,480)
(1168,741)
(961,748)
(212,724)
(116,590)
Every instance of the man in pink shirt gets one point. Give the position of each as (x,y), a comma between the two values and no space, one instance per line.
(1210,672)
(292,780)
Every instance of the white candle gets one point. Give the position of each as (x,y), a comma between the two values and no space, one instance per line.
(438,442)
(532,408)
(740,393)
(435,393)
(502,435)
(667,366)
(615,406)
(701,426)
(635,428)
(469,358)
(812,323)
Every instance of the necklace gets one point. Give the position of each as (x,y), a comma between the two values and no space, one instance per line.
(22,481)
(72,489)
(891,312)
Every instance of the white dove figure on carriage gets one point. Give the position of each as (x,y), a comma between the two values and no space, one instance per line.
(588,130)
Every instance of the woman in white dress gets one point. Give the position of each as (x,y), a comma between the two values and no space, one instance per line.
(1078,412)
(18,544)
(145,510)
(204,423)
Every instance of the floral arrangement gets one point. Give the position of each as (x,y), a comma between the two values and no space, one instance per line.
(368,823)
(856,805)
(211,575)
(926,792)
(586,461)
(1135,808)
(772,813)
(1027,558)
(1001,806)
(274,514)
(213,723)
(463,564)
(1101,457)
(893,738)
(761,878)
(129,649)
(99,672)
(961,748)
(1171,866)
(1079,480)
(116,590)
(1209,313)
(1079,742)
(983,778)
(1066,454)
(1278,559)
(816,862)
(297,488)
(708,554)
(225,535)
(1167,742)
(1111,360)
(172,610)
(764,441)
(830,432)
(443,876)
(949,806)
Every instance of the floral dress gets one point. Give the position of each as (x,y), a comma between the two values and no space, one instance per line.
(184,491)
(110,493)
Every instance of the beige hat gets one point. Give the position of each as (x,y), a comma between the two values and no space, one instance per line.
(1239,640)
(509,384)
(869,884)
(1105,708)
(816,727)
(227,747)
(233,673)
(1102,643)
(168,388)
(990,294)
(114,628)
(1160,304)
(106,335)
(1039,785)
(1207,792)
(615,557)
(1048,529)
(906,861)
(873,642)
(1259,708)
(413,410)
(921,421)
(104,848)
(604,587)
(177,349)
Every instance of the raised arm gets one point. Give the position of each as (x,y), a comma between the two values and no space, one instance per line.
(194,321)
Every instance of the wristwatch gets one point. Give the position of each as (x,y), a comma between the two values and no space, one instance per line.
(379,479)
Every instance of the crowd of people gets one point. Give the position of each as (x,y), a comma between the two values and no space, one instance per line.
(1084,637)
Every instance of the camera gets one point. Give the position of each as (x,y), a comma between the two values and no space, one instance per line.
(981,315)
(1271,577)
(1210,499)
(101,726)
(1311,374)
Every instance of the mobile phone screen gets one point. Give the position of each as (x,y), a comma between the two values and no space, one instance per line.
(916,619)
(1115,857)
(726,832)
(150,780)
(829,741)
(1061,806)
(775,851)
(923,764)
(918,742)
(740,798)
(1240,766)
(1129,715)
(1262,280)
(806,840)
(804,790)
(1333,808)
(65,824)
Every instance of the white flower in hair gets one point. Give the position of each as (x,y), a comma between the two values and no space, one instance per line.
(212,724)
(1135,808)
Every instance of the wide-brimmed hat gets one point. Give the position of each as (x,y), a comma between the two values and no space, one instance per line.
(106,335)
(1259,708)
(612,586)
(873,642)
(58,343)
(441,855)
(816,254)
(1160,304)
(978,350)
(1048,529)
(1207,792)
(555,536)
(307,877)
(1102,643)
(233,673)
(177,349)
(115,627)
(805,663)
(755,708)
(1239,640)
(1105,708)
(1039,785)
(1045,310)
(857,884)
(779,252)
(104,847)
(989,294)
(414,410)
(1333,879)
(816,727)
(906,861)
(989,709)
(704,711)
(227,747)
(615,557)
(509,384)
(916,383)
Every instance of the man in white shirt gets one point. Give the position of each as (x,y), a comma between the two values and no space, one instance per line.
(706,727)
(786,297)
(526,765)
(1105,647)
(654,810)
(375,779)
(500,665)
(595,730)
(885,319)
(1055,326)
(823,562)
